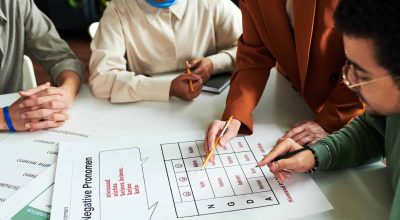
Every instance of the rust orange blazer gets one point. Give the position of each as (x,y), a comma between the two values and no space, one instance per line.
(310,55)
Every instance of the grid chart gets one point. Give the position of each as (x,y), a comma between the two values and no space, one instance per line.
(230,183)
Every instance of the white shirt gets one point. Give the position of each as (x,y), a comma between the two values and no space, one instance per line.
(135,41)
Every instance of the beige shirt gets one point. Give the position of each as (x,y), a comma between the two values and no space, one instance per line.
(135,41)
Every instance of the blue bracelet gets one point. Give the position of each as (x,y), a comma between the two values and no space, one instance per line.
(8,119)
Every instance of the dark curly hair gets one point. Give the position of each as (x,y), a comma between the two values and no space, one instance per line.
(378,20)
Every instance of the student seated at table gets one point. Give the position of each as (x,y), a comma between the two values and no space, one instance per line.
(372,46)
(139,39)
(24,28)
(298,38)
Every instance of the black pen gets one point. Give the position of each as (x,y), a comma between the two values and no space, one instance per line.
(290,154)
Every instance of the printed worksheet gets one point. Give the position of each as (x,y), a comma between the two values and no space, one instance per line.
(162,178)
(25,155)
(32,201)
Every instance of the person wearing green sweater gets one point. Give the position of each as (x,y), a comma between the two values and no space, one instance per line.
(371,33)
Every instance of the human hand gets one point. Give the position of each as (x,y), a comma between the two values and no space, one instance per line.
(180,87)
(306,132)
(282,169)
(21,124)
(214,130)
(45,106)
(202,67)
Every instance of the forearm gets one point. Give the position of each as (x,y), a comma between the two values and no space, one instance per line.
(125,86)
(223,61)
(70,82)
(246,89)
(356,144)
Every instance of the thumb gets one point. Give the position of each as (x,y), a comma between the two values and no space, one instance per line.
(196,78)
(280,148)
(229,135)
(284,164)
(35,90)
(195,62)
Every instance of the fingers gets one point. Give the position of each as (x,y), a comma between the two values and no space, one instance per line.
(53,105)
(52,101)
(306,140)
(197,83)
(230,133)
(197,86)
(307,132)
(297,129)
(33,91)
(284,164)
(195,62)
(283,175)
(294,131)
(301,136)
(35,126)
(196,78)
(44,96)
(282,147)
(59,117)
(52,121)
(212,132)
(38,114)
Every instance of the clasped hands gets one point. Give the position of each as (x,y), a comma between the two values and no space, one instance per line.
(41,108)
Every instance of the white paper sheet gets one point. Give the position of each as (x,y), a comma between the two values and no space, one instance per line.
(162,179)
(33,201)
(24,156)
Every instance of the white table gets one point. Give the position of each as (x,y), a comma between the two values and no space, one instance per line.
(361,193)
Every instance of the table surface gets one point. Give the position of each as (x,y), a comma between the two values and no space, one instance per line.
(360,193)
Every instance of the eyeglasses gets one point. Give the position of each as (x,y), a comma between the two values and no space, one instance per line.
(351,78)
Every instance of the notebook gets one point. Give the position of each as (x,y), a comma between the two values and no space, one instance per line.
(217,83)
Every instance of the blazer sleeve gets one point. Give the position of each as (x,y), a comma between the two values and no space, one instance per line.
(253,63)
(340,108)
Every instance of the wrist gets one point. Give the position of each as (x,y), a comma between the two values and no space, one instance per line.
(3,124)
(315,160)
(172,89)
(70,83)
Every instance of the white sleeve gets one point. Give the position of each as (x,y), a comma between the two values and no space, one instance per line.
(109,77)
(228,27)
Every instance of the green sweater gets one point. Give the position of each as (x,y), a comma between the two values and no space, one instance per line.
(365,140)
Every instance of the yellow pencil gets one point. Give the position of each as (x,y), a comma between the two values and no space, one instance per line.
(188,73)
(217,141)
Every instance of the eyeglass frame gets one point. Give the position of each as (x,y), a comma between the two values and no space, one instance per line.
(348,83)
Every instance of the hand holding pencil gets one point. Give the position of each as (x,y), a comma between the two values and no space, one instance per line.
(219,133)
(182,85)
(286,157)
(188,73)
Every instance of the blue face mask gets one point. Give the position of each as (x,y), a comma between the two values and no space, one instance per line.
(165,4)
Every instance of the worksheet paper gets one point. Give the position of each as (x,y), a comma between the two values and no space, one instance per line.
(24,156)
(162,179)
(33,201)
